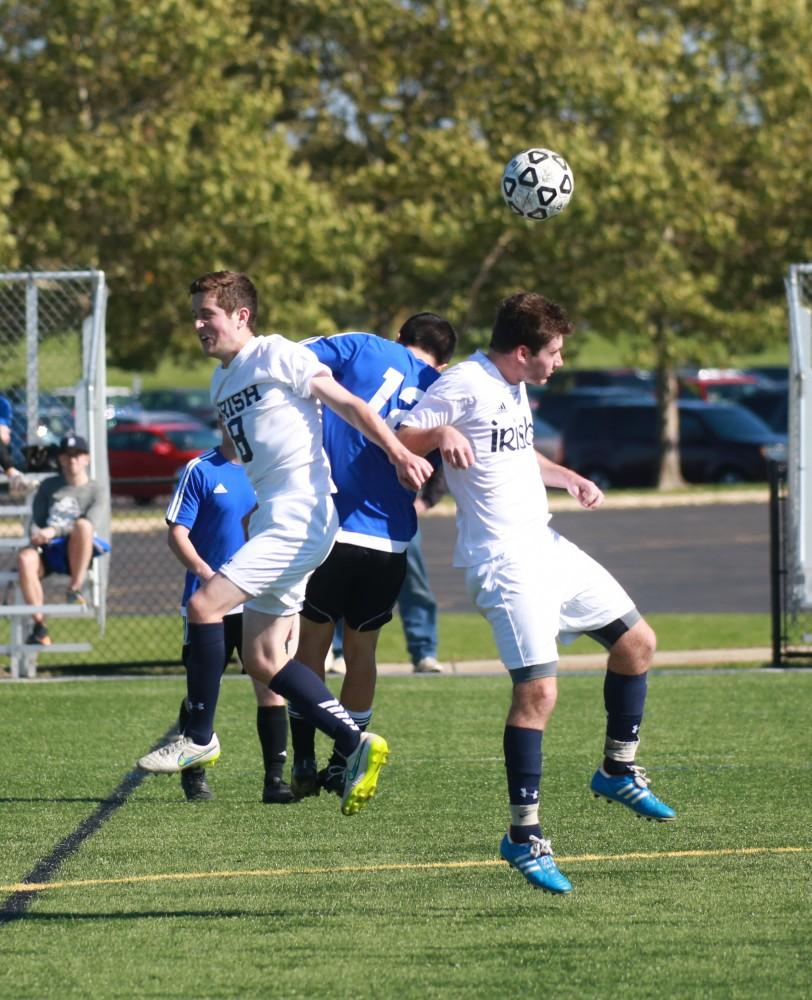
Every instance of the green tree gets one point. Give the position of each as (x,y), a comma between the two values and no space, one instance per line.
(144,149)
(675,118)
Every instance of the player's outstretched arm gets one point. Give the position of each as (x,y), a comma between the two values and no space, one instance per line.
(454,446)
(412,470)
(583,490)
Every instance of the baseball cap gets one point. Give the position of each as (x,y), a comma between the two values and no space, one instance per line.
(72,442)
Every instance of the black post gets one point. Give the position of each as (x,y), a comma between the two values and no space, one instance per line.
(777,472)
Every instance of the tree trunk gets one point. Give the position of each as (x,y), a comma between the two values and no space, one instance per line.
(670,476)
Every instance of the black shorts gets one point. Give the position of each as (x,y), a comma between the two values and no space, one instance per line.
(357,584)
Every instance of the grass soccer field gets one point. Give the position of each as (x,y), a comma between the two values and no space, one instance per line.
(140,894)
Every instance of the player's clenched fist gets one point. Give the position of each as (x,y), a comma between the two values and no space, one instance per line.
(412,470)
(455,448)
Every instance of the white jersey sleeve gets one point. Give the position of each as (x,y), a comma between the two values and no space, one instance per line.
(289,363)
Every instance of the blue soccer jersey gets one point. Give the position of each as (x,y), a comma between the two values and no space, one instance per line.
(373,508)
(211,498)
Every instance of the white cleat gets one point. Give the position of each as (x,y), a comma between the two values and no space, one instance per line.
(179,755)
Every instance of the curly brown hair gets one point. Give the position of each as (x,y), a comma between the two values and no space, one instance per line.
(529,319)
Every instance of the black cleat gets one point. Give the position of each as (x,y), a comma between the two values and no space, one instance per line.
(276,792)
(303,778)
(194,785)
(331,778)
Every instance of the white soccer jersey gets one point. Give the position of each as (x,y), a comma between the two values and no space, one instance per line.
(264,399)
(501,499)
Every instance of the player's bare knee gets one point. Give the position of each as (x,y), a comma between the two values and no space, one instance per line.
(533,702)
(634,651)
(200,608)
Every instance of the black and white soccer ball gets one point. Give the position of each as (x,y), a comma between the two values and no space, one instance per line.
(537,184)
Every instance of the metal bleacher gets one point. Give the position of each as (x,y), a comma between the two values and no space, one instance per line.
(23,657)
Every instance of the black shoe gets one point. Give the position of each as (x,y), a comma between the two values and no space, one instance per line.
(194,785)
(276,792)
(331,778)
(303,778)
(38,636)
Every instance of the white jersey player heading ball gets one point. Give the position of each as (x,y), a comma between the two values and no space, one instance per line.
(531,584)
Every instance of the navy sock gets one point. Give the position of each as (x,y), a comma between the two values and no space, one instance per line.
(302,735)
(523,759)
(624,697)
(204,668)
(316,703)
(272,729)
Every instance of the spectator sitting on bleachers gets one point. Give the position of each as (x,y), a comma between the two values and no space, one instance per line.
(65,509)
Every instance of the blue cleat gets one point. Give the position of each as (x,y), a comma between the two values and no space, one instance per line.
(535,862)
(631,789)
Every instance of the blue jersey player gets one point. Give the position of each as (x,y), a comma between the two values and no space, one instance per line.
(360,580)
(205,518)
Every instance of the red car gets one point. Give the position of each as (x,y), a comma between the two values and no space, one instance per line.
(146,457)
(717,386)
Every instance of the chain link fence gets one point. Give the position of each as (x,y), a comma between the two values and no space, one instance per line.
(53,373)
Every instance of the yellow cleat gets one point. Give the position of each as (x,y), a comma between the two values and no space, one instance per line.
(363,770)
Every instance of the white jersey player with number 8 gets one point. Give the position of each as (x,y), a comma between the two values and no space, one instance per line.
(268,391)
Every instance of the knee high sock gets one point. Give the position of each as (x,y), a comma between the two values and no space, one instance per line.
(302,735)
(624,697)
(272,729)
(523,765)
(204,668)
(315,702)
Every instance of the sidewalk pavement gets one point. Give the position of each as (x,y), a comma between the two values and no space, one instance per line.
(597,661)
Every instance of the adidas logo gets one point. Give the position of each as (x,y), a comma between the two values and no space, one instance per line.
(219,488)
(502,408)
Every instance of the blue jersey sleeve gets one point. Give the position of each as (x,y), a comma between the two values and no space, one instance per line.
(338,351)
(186,500)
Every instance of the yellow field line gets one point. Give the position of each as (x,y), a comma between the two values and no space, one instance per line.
(364,869)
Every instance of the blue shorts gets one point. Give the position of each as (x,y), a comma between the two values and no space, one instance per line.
(55,554)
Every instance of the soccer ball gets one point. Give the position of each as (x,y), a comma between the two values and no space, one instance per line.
(537,184)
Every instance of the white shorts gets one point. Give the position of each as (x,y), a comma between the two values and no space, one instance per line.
(288,540)
(548,589)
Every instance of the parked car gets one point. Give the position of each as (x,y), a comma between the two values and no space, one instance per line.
(547,439)
(770,375)
(147,457)
(772,405)
(616,443)
(634,379)
(556,407)
(36,452)
(717,384)
(195,402)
